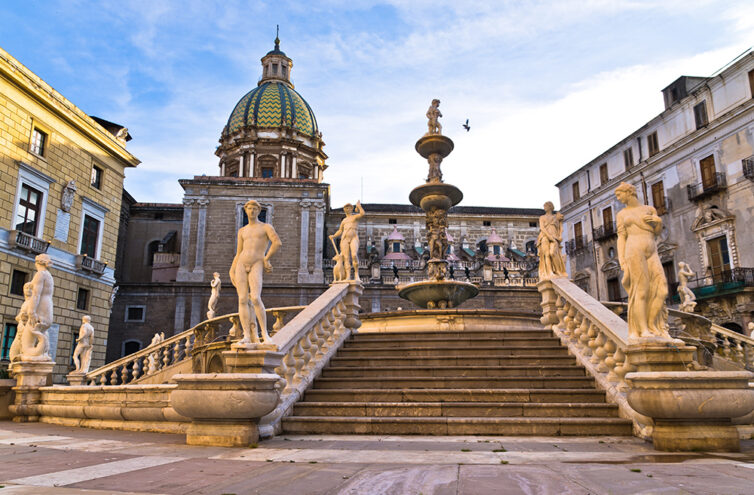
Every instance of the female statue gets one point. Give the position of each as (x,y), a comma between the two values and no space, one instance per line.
(643,276)
(548,243)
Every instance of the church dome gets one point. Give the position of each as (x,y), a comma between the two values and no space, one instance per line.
(272,104)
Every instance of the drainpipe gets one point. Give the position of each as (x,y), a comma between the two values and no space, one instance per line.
(644,188)
(591,227)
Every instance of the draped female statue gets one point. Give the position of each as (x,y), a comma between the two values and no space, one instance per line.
(548,244)
(643,276)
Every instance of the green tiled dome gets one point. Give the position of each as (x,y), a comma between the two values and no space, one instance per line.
(272,104)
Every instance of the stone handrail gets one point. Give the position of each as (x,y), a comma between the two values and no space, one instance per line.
(307,343)
(597,337)
(155,358)
(734,346)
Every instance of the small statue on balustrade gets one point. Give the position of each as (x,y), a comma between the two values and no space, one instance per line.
(433,116)
(35,344)
(216,285)
(348,231)
(687,296)
(246,272)
(551,263)
(82,354)
(157,339)
(643,275)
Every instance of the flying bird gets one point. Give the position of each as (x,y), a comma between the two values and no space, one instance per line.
(466,125)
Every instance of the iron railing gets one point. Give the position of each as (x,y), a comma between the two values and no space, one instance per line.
(726,279)
(703,189)
(605,232)
(576,245)
(748,166)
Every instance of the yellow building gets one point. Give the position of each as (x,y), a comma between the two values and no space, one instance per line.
(61,183)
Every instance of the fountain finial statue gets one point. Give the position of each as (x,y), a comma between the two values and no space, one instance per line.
(434,114)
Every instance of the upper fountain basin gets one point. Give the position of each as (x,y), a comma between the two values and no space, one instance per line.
(435,195)
(434,144)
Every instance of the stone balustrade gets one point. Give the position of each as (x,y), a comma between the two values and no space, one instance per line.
(734,346)
(307,343)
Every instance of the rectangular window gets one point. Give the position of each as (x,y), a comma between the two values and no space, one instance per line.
(27,213)
(700,114)
(653,144)
(90,236)
(607,219)
(707,169)
(96,179)
(578,234)
(751,82)
(613,289)
(396,247)
(717,255)
(38,142)
(17,281)
(603,174)
(267,172)
(495,250)
(576,191)
(658,198)
(135,313)
(392,221)
(628,158)
(82,299)
(9,333)
(532,224)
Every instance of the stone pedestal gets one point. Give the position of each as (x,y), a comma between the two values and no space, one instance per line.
(673,355)
(30,376)
(692,410)
(257,358)
(6,397)
(76,378)
(224,408)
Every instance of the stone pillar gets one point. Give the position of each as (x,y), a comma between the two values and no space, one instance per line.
(253,168)
(549,298)
(294,167)
(201,228)
(303,269)
(319,231)
(281,164)
(222,168)
(30,376)
(185,239)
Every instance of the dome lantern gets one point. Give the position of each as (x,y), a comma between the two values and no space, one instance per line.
(276,66)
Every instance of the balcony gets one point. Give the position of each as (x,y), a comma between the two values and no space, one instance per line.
(27,242)
(87,264)
(748,166)
(663,208)
(703,189)
(605,232)
(576,245)
(721,283)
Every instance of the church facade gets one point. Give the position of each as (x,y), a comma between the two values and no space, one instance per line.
(271,150)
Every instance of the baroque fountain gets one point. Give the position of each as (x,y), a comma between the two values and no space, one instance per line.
(436,197)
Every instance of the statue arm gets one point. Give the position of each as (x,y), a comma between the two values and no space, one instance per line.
(338,232)
(239,249)
(360,210)
(274,242)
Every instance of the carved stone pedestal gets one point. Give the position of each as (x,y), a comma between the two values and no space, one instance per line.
(30,376)
(76,378)
(692,410)
(658,356)
(224,407)
(257,358)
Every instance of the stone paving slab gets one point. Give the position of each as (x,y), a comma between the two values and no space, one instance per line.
(35,457)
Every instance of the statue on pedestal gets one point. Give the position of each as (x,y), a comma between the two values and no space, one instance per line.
(643,276)
(82,354)
(348,231)
(433,114)
(34,342)
(216,285)
(22,319)
(251,261)
(687,296)
(548,244)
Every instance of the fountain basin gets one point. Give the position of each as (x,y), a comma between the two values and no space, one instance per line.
(435,195)
(431,294)
(434,144)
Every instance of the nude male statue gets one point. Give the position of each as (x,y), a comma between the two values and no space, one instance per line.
(247,270)
(349,239)
(82,355)
(433,114)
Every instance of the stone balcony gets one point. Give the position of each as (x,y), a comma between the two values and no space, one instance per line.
(22,240)
(696,192)
(91,265)
(605,232)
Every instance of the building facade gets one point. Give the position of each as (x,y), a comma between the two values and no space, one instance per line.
(62,180)
(271,150)
(694,163)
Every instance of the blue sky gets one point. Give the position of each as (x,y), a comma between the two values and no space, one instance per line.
(546,85)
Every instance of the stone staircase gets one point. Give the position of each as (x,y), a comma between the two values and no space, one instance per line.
(496,382)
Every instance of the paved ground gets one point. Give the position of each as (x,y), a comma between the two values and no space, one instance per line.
(43,459)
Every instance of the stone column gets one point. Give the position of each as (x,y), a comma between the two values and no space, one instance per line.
(282,165)
(294,167)
(253,168)
(185,239)
(201,227)
(303,269)
(319,226)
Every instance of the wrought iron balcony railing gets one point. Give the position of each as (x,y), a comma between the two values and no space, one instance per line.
(727,280)
(605,232)
(748,165)
(703,189)
(27,242)
(576,245)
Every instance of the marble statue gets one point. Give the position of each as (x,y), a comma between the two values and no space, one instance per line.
(750,326)
(82,354)
(34,342)
(433,114)
(551,263)
(348,231)
(246,272)
(339,270)
(643,276)
(22,319)
(111,300)
(687,296)
(216,285)
(69,193)
(157,339)
(122,134)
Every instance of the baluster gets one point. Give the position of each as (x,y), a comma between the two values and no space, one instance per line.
(747,356)
(560,312)
(310,348)
(738,352)
(145,365)
(289,370)
(600,353)
(103,379)
(332,329)
(165,356)
(622,367)
(113,377)
(189,344)
(124,374)
(137,369)
(279,321)
(578,321)
(586,326)
(591,340)
(611,349)
(726,347)
(176,351)
(299,355)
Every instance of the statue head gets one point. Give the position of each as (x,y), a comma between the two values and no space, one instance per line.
(252,208)
(435,102)
(348,208)
(215,275)
(86,319)
(43,260)
(625,191)
(549,207)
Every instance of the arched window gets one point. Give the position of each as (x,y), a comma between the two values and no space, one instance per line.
(531,247)
(152,248)
(267,167)
(131,346)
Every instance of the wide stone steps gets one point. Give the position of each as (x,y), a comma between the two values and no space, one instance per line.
(509,382)
(455,382)
(450,371)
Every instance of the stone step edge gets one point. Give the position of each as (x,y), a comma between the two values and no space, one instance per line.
(460,390)
(456,419)
(452,332)
(356,340)
(457,367)
(460,378)
(537,405)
